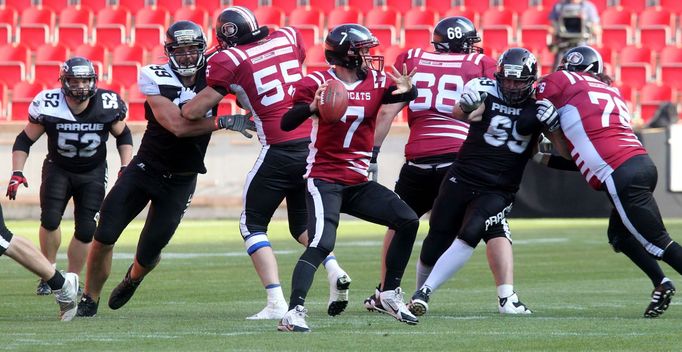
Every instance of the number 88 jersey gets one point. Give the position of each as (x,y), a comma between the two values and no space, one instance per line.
(439,79)
(77,143)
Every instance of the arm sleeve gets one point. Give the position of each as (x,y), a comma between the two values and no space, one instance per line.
(295,116)
(559,163)
(389,98)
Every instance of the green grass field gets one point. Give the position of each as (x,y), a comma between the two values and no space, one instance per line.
(584,297)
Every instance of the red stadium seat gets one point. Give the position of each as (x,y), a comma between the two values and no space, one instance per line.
(114,15)
(615,37)
(3,99)
(386,34)
(96,54)
(124,73)
(314,60)
(341,15)
(651,97)
(306,16)
(227,106)
(535,25)
(442,6)
(363,5)
(113,86)
(150,15)
(33,35)
(9,15)
(384,16)
(545,61)
(125,52)
(671,74)
(18,4)
(310,34)
(169,5)
(617,16)
(462,11)
(38,15)
(420,16)
(633,5)
(15,52)
(417,37)
(268,16)
(498,16)
(285,5)
(195,14)
(71,35)
(12,72)
(325,6)
(656,16)
(636,54)
(46,72)
(49,52)
(626,92)
(5,33)
(496,38)
(109,35)
(478,6)
(401,5)
(135,100)
(55,5)
(671,5)
(670,55)
(212,5)
(157,55)
(94,5)
(76,15)
(656,25)
(517,6)
(535,16)
(22,95)
(390,54)
(131,5)
(606,54)
(634,74)
(148,36)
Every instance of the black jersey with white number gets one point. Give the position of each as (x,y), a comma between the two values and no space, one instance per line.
(161,148)
(495,153)
(77,142)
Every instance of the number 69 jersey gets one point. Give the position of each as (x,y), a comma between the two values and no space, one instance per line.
(498,147)
(595,120)
(77,143)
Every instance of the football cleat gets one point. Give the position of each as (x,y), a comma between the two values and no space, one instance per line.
(294,320)
(87,307)
(512,305)
(338,294)
(419,304)
(67,296)
(273,310)
(392,302)
(43,288)
(124,291)
(372,303)
(660,300)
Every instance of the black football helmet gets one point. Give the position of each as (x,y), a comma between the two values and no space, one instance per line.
(348,45)
(78,67)
(185,34)
(582,59)
(456,35)
(237,25)
(514,66)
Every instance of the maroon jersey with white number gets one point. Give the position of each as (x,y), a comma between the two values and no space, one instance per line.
(340,152)
(261,76)
(595,120)
(439,80)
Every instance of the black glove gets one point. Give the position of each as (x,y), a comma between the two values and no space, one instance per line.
(239,123)
(14,182)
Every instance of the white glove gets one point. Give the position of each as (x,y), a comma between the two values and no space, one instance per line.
(547,114)
(471,100)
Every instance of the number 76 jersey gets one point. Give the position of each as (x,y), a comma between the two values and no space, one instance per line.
(77,143)
(595,120)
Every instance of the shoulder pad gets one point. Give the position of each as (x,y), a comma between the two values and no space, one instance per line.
(49,102)
(153,76)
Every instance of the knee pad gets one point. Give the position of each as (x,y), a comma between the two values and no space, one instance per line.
(85,230)
(616,240)
(148,262)
(50,220)
(297,230)
(256,241)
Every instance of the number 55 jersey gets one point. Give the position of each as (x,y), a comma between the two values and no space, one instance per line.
(77,143)
(595,121)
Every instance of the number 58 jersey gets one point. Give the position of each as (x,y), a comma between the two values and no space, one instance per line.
(595,120)
(77,143)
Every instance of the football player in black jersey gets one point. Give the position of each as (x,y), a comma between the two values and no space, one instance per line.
(479,188)
(64,286)
(77,118)
(163,172)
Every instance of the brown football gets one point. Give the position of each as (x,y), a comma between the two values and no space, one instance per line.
(333,102)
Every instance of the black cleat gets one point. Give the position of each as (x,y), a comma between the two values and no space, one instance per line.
(87,307)
(123,292)
(43,289)
(660,300)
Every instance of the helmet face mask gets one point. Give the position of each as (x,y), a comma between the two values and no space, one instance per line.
(185,46)
(78,78)
(582,59)
(456,35)
(348,45)
(516,74)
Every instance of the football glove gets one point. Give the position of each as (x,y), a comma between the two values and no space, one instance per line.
(373,169)
(547,114)
(471,100)
(14,182)
(237,122)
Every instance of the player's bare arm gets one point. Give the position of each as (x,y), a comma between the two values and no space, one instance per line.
(385,117)
(197,107)
(20,150)
(124,142)
(169,116)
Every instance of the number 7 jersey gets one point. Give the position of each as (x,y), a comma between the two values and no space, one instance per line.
(595,120)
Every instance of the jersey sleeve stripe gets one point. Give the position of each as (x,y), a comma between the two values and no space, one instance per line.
(317,77)
(290,34)
(568,75)
(239,52)
(479,57)
(409,53)
(232,57)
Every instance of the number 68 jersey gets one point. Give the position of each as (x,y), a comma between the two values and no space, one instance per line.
(595,120)
(498,147)
(77,143)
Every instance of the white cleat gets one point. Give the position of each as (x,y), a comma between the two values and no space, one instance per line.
(392,303)
(338,293)
(67,297)
(272,311)
(294,320)
(512,305)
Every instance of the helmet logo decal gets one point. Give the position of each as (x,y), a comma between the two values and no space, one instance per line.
(575,58)
(345,35)
(80,70)
(530,62)
(229,29)
(183,36)
(513,70)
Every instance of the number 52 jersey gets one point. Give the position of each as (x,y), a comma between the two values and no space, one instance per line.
(77,143)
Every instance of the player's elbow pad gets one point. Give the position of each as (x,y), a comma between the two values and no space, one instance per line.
(125,137)
(22,142)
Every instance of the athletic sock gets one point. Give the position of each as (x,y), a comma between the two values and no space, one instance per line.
(56,282)
(275,294)
(304,274)
(673,256)
(423,272)
(452,260)
(332,266)
(505,290)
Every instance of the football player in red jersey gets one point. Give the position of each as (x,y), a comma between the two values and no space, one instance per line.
(596,124)
(435,138)
(337,166)
(260,68)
